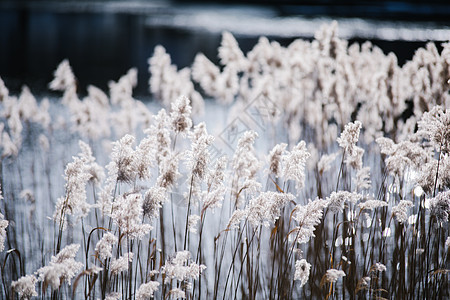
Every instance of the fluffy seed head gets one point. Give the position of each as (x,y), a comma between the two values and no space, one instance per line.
(302,269)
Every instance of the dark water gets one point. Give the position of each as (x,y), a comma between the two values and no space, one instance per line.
(102,44)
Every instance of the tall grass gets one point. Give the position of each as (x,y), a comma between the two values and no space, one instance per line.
(343,193)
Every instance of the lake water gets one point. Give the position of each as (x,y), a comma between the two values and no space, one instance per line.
(102,40)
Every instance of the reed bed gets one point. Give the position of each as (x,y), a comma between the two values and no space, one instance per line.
(337,188)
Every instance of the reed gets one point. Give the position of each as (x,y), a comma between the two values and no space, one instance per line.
(337,188)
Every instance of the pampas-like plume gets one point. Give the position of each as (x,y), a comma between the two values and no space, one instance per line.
(363,284)
(215,193)
(198,157)
(77,174)
(121,264)
(205,73)
(372,204)
(427,176)
(329,43)
(332,275)
(9,147)
(402,155)
(337,200)
(123,160)
(104,246)
(62,267)
(181,115)
(230,54)
(440,206)
(275,159)
(122,90)
(166,83)
(127,212)
(377,267)
(168,170)
(245,163)
(302,269)
(362,179)
(144,160)
(308,216)
(27,105)
(237,216)
(94,169)
(159,134)
(192,223)
(348,138)
(64,78)
(180,268)
(222,86)
(266,208)
(400,211)
(90,117)
(177,293)
(154,198)
(146,290)
(113,296)
(157,67)
(25,286)
(435,126)
(4,92)
(294,165)
(325,161)
(3,225)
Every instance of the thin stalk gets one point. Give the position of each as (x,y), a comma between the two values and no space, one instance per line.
(437,172)
(340,171)
(232,260)
(245,257)
(188,212)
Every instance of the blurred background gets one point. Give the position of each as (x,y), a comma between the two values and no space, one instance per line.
(103,39)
